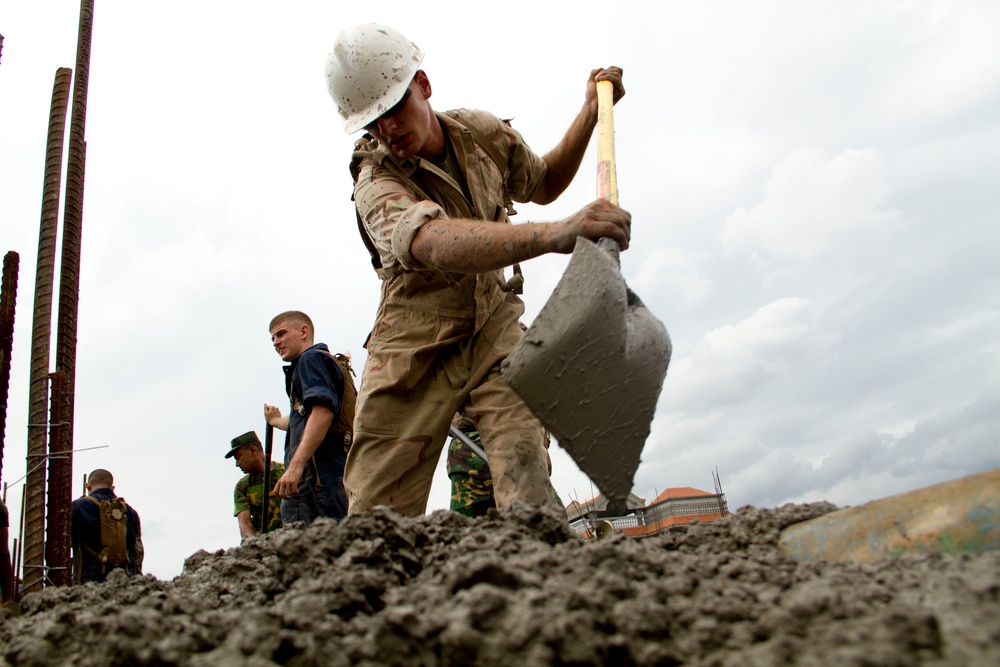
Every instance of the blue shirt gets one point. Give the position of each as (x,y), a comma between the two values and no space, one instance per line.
(87,530)
(310,380)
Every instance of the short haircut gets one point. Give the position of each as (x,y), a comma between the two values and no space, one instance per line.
(101,478)
(294,317)
(255,444)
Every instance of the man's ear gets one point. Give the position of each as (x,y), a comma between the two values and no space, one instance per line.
(423,83)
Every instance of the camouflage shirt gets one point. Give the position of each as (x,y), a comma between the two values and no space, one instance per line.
(396,198)
(249,495)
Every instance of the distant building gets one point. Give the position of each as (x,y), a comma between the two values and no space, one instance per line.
(673,507)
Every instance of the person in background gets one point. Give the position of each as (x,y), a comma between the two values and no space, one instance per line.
(471,480)
(313,483)
(107,533)
(248,495)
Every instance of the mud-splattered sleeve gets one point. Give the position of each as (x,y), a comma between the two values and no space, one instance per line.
(527,169)
(392,214)
(241,502)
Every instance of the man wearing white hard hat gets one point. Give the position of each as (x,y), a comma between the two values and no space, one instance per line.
(433,193)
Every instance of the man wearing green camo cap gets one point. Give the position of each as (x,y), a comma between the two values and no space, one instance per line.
(249,492)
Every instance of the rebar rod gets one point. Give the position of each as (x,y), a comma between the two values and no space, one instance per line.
(33,538)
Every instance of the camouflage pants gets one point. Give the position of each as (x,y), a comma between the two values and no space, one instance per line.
(471,482)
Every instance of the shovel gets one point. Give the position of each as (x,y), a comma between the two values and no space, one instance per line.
(592,364)
(265,507)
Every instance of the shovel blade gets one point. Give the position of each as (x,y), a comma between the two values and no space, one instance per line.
(591,366)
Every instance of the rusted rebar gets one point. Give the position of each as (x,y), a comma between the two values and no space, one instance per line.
(58,537)
(33,540)
(8,299)
(61,448)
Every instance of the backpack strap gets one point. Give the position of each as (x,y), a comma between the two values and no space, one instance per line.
(491,149)
(365,148)
(343,426)
(86,546)
(103,555)
(516,282)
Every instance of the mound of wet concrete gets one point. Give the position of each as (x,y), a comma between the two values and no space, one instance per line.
(521,589)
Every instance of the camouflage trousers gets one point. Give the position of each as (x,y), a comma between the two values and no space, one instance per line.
(471,482)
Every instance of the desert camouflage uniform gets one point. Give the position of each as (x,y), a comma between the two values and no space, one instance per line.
(438,337)
(249,495)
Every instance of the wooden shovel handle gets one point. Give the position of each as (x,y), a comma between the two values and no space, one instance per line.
(607,179)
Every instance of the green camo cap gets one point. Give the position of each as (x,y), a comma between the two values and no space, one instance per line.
(248,438)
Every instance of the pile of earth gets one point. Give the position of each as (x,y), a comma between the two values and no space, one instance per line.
(520,588)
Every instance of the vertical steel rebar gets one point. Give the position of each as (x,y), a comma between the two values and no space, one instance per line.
(13,570)
(8,299)
(58,535)
(33,538)
(61,448)
(19,556)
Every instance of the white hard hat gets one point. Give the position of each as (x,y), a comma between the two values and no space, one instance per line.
(368,71)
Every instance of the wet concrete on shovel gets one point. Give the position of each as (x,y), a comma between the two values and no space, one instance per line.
(521,588)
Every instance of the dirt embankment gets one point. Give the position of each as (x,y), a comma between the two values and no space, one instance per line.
(521,589)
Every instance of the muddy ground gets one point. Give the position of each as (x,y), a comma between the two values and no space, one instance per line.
(521,589)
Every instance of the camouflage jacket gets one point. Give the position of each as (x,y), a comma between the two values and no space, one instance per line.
(471,481)
(249,495)
(395,198)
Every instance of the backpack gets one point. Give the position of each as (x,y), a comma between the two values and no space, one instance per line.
(348,402)
(114,529)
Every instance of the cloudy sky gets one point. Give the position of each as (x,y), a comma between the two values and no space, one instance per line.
(815,219)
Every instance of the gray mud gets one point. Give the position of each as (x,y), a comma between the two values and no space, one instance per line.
(521,589)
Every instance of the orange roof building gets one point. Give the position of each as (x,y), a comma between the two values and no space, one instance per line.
(675,506)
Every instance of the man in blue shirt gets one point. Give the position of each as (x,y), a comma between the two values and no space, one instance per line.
(96,550)
(313,483)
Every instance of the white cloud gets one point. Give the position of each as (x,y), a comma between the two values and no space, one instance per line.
(951,63)
(732,361)
(812,203)
(668,270)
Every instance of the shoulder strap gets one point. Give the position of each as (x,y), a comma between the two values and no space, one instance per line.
(344,427)
(490,148)
(365,148)
(516,282)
